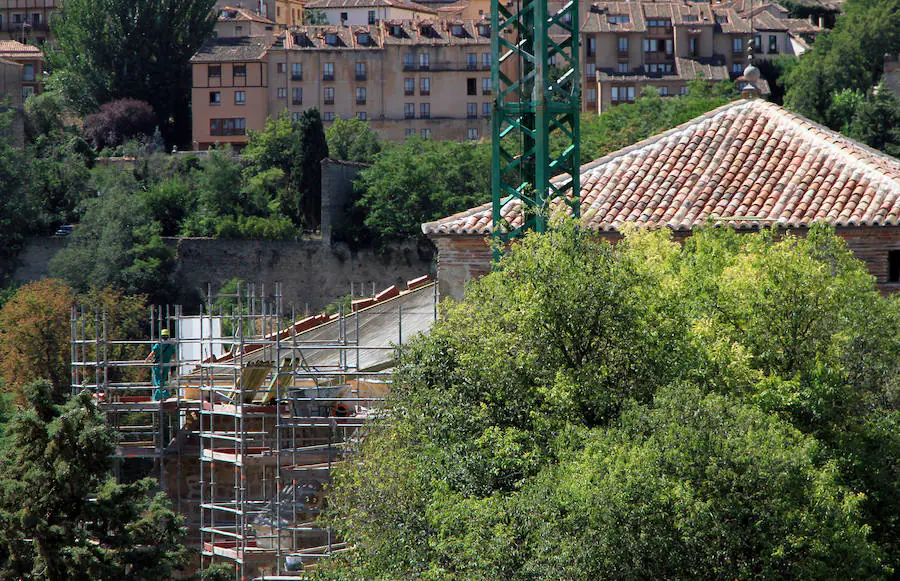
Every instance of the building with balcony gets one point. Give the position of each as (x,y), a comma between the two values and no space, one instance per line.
(27,21)
(31,60)
(427,77)
(627,46)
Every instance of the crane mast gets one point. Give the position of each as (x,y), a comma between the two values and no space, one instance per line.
(537,79)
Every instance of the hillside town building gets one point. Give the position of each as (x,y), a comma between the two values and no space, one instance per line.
(749,164)
(27,21)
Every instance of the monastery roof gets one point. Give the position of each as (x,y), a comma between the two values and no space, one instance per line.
(237,14)
(607,16)
(334,4)
(431,32)
(749,160)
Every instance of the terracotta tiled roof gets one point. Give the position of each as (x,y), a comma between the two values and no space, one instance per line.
(634,16)
(11,49)
(241,49)
(749,159)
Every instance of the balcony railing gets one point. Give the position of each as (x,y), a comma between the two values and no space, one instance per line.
(296,76)
(408,115)
(361,76)
(361,101)
(296,101)
(659,57)
(622,54)
(328,77)
(424,92)
(409,92)
(329,101)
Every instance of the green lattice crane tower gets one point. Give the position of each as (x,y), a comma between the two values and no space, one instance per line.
(536,75)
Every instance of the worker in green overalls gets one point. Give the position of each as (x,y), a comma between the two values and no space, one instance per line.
(162,353)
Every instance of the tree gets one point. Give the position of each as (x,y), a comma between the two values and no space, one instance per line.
(711,410)
(63,515)
(34,337)
(112,49)
(119,121)
(297,148)
(117,243)
(851,56)
(352,140)
(421,180)
(14,223)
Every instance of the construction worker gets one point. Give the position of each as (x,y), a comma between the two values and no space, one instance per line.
(162,354)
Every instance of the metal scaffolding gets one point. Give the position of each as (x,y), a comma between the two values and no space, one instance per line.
(246,444)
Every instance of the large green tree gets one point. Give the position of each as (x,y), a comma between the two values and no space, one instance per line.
(726,408)
(63,516)
(112,49)
(352,140)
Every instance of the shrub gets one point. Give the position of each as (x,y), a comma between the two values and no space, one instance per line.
(119,121)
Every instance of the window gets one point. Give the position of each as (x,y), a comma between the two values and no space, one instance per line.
(329,95)
(670,46)
(622,68)
(425,86)
(424,61)
(297,95)
(623,45)
(282,92)
(282,68)
(410,131)
(484,29)
(456,30)
(426,133)
(331,39)
(240,70)
(296,72)
(693,46)
(737,45)
(240,97)
(470,87)
(361,71)
(472,133)
(659,23)
(344,17)
(296,115)
(737,68)
(328,116)
(552,60)
(590,70)
(683,90)
(36,19)
(409,110)
(226,127)
(618,19)
(409,86)
(773,43)
(485,60)
(591,95)
(472,110)
(485,85)
(361,115)
(664,91)
(757,43)
(363,39)
(28,73)
(690,18)
(425,110)
(408,60)
(27,92)
(327,71)
(485,109)
(721,19)
(214,71)
(893,266)
(360,95)
(371,17)
(396,30)
(17,19)
(215,98)
(591,46)
(471,61)
(622,94)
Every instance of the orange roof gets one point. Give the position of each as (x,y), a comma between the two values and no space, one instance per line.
(11,49)
(750,160)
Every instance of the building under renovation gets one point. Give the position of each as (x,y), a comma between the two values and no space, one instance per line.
(262,405)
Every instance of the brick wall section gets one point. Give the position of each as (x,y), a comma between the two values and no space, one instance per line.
(462,258)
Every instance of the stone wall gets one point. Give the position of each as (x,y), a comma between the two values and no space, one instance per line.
(337,193)
(462,258)
(312,274)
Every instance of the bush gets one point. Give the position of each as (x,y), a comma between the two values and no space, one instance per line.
(119,121)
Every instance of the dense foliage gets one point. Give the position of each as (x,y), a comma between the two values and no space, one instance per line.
(833,82)
(352,140)
(63,515)
(722,409)
(117,122)
(106,50)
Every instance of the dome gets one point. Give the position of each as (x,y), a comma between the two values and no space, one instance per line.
(751,73)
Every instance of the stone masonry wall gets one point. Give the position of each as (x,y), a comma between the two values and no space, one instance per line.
(462,258)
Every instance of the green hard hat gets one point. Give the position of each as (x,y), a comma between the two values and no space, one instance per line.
(164,333)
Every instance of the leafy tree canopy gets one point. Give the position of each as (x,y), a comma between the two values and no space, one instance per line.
(63,516)
(726,408)
(352,140)
(111,49)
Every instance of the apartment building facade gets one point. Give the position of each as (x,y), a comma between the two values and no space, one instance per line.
(363,12)
(627,46)
(31,60)
(282,12)
(27,21)
(430,78)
